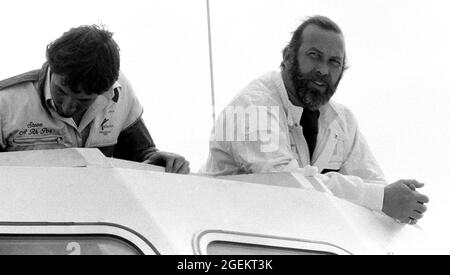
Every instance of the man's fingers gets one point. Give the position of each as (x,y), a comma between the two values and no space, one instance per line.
(173,163)
(422,199)
(413,184)
(184,169)
(421,208)
(169,164)
(177,164)
(404,204)
(180,166)
(415,215)
(153,158)
(405,220)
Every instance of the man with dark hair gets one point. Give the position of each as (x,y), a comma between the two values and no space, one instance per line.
(308,133)
(79,98)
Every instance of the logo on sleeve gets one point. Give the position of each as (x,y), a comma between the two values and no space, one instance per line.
(106,127)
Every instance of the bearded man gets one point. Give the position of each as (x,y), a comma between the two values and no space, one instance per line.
(285,121)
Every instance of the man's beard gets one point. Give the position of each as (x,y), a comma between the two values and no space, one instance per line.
(310,98)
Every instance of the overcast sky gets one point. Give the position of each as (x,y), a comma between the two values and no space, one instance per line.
(397,82)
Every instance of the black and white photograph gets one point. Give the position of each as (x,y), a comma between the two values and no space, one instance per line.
(222,127)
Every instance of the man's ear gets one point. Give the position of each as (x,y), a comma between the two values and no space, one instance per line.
(285,53)
(287,56)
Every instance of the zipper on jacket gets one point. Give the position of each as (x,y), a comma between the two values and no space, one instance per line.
(38,141)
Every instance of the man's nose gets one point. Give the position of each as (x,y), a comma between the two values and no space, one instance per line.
(69,106)
(322,70)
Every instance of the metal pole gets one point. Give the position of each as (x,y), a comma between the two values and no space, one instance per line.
(211,66)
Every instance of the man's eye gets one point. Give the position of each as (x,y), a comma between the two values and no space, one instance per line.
(87,100)
(313,55)
(336,63)
(60,91)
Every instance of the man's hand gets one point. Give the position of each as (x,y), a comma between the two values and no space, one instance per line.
(173,163)
(403,203)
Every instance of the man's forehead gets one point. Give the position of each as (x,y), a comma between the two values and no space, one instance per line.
(59,81)
(57,78)
(328,42)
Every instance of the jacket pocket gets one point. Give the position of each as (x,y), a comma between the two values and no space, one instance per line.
(337,158)
(31,141)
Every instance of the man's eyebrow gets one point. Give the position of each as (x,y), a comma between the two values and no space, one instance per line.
(319,51)
(338,58)
(315,49)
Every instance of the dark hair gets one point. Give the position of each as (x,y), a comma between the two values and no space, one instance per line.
(291,50)
(86,57)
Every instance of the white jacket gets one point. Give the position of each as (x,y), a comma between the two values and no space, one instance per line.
(241,142)
(28,120)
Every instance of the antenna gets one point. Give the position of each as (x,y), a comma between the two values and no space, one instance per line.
(211,66)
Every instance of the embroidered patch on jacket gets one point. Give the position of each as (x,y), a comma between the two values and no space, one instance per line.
(106,127)
(36,129)
(36,133)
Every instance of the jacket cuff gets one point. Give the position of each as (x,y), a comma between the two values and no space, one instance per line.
(373,196)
